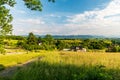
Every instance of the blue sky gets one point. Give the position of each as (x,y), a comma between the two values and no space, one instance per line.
(68,17)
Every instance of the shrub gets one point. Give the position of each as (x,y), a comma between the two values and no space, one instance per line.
(113,48)
(2,50)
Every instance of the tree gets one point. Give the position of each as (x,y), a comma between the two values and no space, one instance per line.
(31,43)
(48,42)
(6,18)
(61,45)
(32,40)
(2,50)
(49,39)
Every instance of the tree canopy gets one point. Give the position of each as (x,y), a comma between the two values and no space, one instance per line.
(6,18)
(31,40)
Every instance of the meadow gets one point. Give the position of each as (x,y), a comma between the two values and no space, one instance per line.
(14,59)
(65,65)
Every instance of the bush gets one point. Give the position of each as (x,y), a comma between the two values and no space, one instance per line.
(113,48)
(30,47)
(2,50)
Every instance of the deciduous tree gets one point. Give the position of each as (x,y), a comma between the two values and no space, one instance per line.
(6,18)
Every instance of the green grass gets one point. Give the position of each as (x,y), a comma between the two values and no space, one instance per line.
(92,58)
(72,66)
(59,65)
(14,59)
(47,71)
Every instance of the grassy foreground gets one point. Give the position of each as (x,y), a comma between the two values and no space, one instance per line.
(69,66)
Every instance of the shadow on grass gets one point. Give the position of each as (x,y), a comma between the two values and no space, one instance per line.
(47,71)
(2,67)
(58,71)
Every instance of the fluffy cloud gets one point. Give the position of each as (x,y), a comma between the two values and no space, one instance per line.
(24,26)
(31,21)
(101,22)
(95,22)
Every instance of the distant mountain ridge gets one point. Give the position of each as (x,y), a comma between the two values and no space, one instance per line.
(76,36)
(72,36)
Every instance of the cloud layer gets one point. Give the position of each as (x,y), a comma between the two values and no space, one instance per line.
(98,22)
(104,21)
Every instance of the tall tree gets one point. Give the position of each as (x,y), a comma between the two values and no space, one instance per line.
(6,18)
(31,40)
(49,39)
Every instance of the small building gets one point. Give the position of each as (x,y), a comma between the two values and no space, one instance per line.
(78,48)
(66,49)
(39,44)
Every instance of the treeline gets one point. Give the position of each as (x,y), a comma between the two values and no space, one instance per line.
(32,42)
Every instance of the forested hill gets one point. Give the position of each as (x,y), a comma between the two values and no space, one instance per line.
(76,36)
(72,36)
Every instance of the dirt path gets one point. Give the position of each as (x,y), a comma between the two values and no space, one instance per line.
(10,71)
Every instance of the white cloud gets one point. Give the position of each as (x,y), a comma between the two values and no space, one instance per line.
(14,10)
(96,22)
(31,21)
(21,11)
(53,15)
(101,22)
(24,26)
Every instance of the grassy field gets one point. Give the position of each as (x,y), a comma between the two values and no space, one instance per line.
(76,58)
(59,65)
(110,60)
(17,58)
